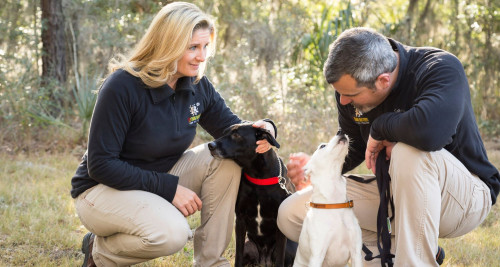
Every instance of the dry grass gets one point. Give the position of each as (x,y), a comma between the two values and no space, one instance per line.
(39,226)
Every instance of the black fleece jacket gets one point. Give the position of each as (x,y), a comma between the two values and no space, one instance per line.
(137,133)
(429,108)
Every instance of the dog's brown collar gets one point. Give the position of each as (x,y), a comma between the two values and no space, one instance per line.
(348,204)
(264,181)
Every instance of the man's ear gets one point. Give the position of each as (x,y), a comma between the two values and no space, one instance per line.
(383,81)
(265,134)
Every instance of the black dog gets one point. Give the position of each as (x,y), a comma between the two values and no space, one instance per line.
(263,187)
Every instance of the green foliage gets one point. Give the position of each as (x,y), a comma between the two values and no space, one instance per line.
(85,93)
(315,44)
(269,60)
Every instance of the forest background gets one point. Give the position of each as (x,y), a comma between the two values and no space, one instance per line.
(270,54)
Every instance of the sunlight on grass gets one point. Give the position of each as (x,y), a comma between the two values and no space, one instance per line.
(39,226)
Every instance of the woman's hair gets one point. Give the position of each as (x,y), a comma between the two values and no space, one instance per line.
(154,58)
(362,53)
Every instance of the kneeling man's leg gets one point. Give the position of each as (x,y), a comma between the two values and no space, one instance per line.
(434,195)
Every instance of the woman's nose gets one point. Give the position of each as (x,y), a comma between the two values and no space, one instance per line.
(202,55)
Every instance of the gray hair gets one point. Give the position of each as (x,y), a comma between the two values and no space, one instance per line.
(362,53)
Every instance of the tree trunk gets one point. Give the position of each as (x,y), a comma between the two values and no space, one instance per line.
(54,42)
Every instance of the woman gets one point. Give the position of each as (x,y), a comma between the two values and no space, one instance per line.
(137,182)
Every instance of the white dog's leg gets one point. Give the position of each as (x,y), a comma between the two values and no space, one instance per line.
(304,250)
(300,259)
(319,242)
(356,247)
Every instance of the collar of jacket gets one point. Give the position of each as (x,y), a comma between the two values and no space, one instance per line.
(403,62)
(184,84)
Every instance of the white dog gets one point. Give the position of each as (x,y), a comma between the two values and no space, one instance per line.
(330,234)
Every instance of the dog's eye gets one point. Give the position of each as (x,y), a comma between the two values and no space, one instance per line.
(321,146)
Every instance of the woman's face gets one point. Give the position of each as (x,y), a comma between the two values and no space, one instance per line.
(195,54)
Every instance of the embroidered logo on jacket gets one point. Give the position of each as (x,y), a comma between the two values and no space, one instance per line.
(195,117)
(358,117)
(361,120)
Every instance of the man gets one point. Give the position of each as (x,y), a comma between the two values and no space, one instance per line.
(415,103)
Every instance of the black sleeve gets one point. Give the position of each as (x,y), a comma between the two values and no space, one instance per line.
(357,144)
(432,121)
(108,128)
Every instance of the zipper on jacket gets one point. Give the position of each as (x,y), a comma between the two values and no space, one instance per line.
(172,99)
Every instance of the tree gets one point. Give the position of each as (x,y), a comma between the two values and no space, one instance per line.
(54,42)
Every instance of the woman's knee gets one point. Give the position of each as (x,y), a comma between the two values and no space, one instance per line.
(167,240)
(229,166)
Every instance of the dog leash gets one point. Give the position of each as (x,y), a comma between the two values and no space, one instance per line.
(282,180)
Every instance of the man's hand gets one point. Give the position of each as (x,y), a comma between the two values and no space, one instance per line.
(262,145)
(373,147)
(186,201)
(295,167)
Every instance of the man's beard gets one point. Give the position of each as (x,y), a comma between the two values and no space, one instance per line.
(362,109)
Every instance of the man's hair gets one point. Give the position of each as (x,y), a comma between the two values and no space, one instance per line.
(154,58)
(362,53)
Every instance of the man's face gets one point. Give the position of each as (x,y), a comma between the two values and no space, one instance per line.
(362,98)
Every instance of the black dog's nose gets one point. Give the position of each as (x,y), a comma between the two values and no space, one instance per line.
(212,146)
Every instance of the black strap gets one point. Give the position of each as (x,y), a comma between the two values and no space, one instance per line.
(383,220)
(360,179)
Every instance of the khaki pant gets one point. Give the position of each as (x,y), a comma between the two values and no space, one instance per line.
(137,226)
(434,196)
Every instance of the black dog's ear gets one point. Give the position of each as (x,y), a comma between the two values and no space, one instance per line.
(265,134)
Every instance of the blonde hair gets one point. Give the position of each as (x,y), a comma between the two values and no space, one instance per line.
(154,59)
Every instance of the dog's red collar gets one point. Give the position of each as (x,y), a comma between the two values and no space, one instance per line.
(265,181)
(348,204)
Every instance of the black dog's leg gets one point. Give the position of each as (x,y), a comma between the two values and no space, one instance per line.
(280,249)
(240,234)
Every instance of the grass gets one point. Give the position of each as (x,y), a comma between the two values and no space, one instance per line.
(39,226)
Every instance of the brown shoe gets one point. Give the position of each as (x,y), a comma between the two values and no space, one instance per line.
(87,244)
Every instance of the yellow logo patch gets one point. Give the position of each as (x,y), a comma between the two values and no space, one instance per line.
(361,120)
(194,119)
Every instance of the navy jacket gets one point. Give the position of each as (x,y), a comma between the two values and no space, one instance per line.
(429,108)
(137,134)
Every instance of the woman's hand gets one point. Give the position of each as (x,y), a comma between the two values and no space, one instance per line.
(262,145)
(186,201)
(295,167)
